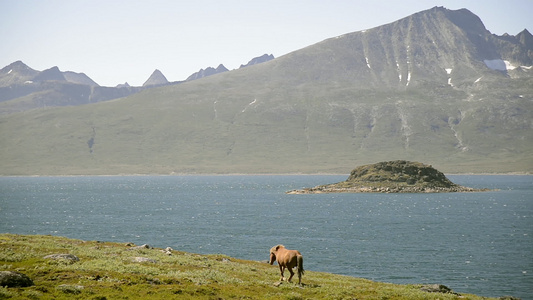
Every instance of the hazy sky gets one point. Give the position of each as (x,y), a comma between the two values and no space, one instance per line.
(125,41)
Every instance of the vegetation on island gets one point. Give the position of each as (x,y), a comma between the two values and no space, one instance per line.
(62,268)
(397,176)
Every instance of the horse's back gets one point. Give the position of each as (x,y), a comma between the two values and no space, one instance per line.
(288,257)
(292,257)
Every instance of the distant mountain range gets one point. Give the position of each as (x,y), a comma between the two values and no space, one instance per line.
(435,87)
(23,88)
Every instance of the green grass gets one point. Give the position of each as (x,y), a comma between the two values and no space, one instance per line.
(107,271)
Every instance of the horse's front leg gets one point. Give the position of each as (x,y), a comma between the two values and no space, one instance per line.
(281,269)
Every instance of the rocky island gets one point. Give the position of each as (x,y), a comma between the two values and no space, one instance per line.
(397,176)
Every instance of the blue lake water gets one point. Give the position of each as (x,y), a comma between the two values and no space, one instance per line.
(479,243)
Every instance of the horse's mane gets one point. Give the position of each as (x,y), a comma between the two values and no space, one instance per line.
(275,248)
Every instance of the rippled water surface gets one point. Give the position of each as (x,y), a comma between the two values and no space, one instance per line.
(478,243)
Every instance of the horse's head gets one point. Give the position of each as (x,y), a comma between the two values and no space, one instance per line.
(272,258)
(273,252)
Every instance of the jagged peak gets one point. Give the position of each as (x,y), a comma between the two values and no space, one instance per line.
(50,74)
(257,60)
(525,38)
(18,66)
(221,68)
(207,72)
(156,78)
(524,32)
(79,78)
(464,19)
(122,85)
(16,73)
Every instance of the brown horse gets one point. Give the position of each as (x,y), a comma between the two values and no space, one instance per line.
(287,259)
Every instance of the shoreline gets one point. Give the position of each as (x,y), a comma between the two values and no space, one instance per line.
(250,174)
(386,190)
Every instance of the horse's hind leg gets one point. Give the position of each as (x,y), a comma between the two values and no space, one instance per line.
(292,274)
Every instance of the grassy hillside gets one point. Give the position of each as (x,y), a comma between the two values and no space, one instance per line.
(110,271)
(191,129)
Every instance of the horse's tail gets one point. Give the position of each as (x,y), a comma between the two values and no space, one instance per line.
(301,271)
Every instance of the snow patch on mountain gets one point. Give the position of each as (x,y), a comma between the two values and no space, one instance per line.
(449,71)
(250,104)
(499,64)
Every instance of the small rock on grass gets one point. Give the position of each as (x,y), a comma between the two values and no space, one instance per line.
(14,279)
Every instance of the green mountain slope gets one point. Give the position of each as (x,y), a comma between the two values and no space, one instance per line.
(426,88)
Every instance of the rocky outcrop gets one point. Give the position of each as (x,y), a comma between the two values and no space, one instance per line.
(437,288)
(144,246)
(398,176)
(14,279)
(67,257)
(143,259)
(73,289)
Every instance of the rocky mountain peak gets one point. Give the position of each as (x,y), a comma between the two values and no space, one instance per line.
(525,38)
(221,68)
(123,85)
(157,78)
(16,73)
(466,20)
(257,60)
(17,66)
(79,78)
(52,74)
(207,72)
